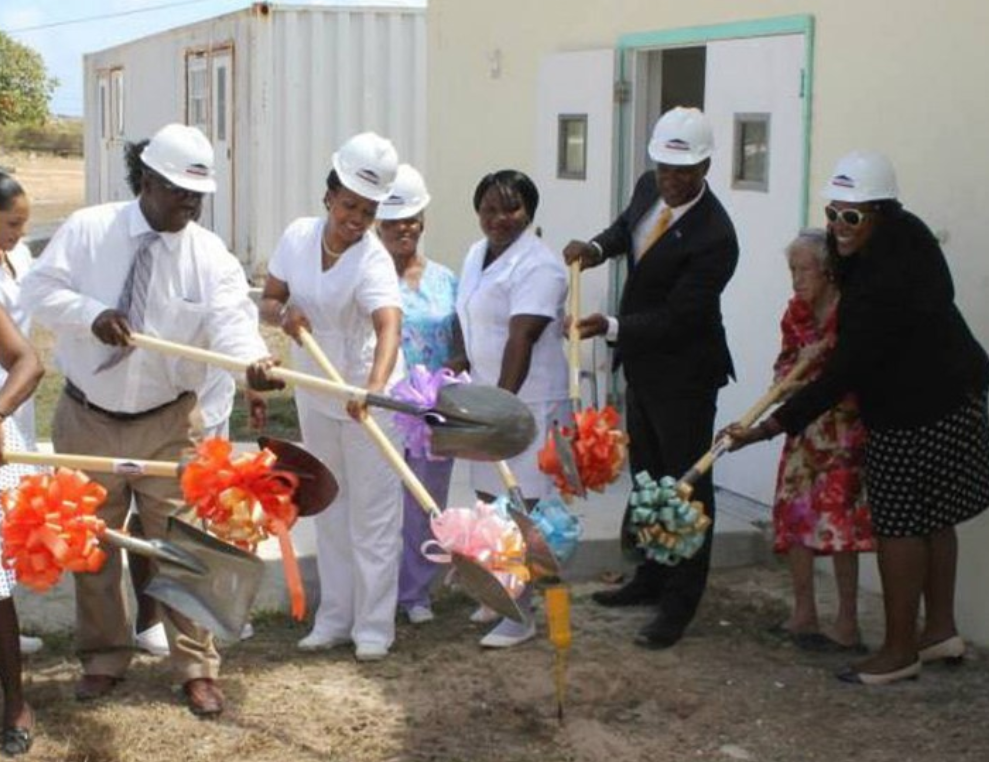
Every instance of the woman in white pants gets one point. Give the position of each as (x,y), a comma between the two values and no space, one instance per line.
(332,277)
(513,289)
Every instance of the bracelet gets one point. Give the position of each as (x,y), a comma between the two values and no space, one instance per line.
(599,256)
(283,312)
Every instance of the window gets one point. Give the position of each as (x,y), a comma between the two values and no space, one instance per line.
(571,152)
(750,164)
(117,102)
(197,93)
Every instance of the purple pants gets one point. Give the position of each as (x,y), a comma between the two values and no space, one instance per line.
(416,574)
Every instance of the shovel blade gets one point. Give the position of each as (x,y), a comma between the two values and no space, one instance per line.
(219,600)
(484,587)
(568,462)
(317,486)
(538,555)
(478,422)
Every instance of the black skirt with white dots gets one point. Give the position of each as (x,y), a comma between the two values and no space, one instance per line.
(926,478)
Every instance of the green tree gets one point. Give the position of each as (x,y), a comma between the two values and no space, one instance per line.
(25,87)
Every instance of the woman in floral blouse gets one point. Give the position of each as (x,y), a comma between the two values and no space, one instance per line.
(820,507)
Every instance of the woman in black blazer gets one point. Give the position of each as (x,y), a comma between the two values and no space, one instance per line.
(921,379)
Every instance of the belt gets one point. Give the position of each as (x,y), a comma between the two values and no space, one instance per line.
(76,394)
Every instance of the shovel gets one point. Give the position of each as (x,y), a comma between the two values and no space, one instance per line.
(564,446)
(685,487)
(538,555)
(479,583)
(208,580)
(317,487)
(219,597)
(468,421)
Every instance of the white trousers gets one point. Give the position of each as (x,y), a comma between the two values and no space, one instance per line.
(359,537)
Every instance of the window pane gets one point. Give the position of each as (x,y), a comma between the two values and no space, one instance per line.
(750,169)
(571,162)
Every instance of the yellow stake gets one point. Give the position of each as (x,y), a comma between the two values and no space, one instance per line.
(558,621)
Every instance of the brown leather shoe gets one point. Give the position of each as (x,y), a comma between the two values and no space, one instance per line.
(204,697)
(92,687)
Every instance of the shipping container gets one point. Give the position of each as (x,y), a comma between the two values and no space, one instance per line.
(276,88)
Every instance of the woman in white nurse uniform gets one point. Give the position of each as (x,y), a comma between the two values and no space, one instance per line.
(510,307)
(333,277)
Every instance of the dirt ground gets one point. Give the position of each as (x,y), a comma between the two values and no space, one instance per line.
(728,691)
(55,185)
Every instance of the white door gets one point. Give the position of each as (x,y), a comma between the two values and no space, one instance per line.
(573,171)
(754,96)
(221,112)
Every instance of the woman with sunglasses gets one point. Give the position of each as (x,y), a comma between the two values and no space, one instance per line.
(921,379)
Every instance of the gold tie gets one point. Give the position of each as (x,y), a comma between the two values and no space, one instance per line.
(665,217)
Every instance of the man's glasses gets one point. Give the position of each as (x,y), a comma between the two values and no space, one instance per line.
(851,217)
(174,189)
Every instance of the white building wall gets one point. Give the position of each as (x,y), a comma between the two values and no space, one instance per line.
(904,78)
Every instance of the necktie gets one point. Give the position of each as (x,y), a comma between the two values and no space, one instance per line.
(134,296)
(665,218)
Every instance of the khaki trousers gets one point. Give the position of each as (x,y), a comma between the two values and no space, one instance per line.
(104,633)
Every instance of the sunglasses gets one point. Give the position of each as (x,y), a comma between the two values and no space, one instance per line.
(851,217)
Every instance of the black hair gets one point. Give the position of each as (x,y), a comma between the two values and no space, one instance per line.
(9,190)
(135,167)
(333,181)
(509,182)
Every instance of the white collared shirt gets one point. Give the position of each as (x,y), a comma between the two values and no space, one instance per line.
(197,295)
(21,261)
(527,279)
(339,303)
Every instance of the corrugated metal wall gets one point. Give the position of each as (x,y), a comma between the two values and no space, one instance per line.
(323,77)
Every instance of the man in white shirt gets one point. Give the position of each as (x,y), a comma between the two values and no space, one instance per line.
(141,265)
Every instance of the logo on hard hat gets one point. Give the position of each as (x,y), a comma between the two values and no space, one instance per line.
(198,170)
(843,181)
(369,176)
(676,144)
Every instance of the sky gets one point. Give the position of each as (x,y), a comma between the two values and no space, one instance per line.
(62,32)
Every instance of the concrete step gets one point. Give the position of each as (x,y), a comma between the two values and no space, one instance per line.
(741,539)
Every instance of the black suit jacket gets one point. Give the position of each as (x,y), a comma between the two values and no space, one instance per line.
(671,337)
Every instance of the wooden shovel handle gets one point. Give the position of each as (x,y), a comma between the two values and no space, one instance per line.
(236,365)
(374,430)
(749,417)
(123,466)
(574,335)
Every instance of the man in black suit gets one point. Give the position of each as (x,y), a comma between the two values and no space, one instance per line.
(681,251)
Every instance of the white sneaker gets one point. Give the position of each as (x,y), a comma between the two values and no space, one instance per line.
(247,632)
(31,645)
(509,633)
(420,614)
(370,652)
(484,615)
(153,640)
(319,639)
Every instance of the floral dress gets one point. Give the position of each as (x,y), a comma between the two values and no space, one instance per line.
(820,488)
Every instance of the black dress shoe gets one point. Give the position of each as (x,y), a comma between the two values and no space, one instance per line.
(633,593)
(660,633)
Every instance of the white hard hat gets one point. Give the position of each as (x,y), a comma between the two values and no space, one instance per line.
(367,164)
(408,195)
(183,156)
(682,136)
(862,176)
